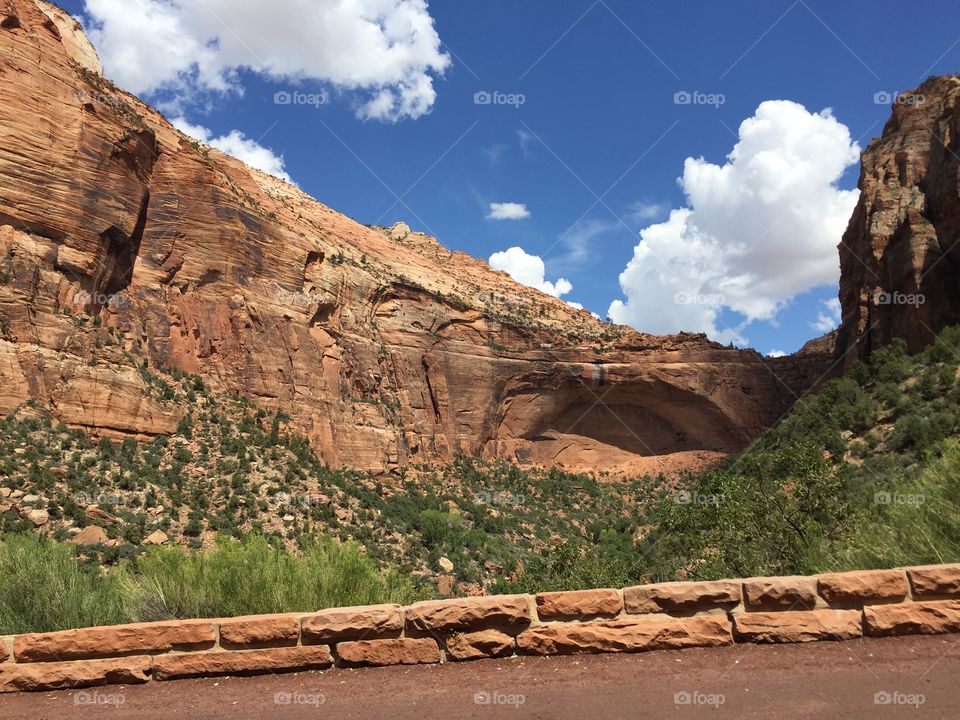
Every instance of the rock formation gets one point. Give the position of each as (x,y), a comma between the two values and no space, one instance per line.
(122,241)
(899,258)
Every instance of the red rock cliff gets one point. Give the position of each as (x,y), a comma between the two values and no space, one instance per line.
(899,259)
(385,348)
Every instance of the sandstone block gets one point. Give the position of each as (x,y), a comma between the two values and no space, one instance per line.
(352,623)
(797,625)
(260,631)
(863,586)
(780,593)
(578,602)
(80,673)
(625,636)
(155,637)
(469,613)
(248,662)
(679,596)
(935,580)
(472,646)
(931,617)
(393,651)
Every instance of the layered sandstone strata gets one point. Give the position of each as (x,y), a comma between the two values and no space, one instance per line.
(899,257)
(385,348)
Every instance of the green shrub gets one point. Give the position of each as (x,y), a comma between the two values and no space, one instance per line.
(770,514)
(45,588)
(251,577)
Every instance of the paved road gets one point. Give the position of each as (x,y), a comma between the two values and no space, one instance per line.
(917,677)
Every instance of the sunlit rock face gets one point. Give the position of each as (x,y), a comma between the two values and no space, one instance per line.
(385,349)
(899,258)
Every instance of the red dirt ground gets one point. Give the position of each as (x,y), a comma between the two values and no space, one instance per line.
(913,677)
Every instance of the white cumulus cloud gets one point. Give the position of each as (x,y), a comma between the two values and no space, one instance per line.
(528,270)
(829,316)
(508,211)
(235,143)
(776,354)
(386,51)
(757,231)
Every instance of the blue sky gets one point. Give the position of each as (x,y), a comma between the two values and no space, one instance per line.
(595,149)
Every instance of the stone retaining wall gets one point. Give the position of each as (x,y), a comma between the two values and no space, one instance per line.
(920,600)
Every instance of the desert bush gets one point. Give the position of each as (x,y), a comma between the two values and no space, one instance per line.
(576,566)
(44,587)
(251,576)
(772,514)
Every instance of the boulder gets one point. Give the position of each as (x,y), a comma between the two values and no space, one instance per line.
(38,517)
(99,515)
(90,535)
(157,537)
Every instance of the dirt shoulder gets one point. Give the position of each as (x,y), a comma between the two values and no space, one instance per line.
(913,677)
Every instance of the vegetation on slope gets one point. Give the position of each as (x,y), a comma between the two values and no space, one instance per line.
(46,587)
(859,475)
(232,469)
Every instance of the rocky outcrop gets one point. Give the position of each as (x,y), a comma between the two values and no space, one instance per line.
(124,242)
(899,259)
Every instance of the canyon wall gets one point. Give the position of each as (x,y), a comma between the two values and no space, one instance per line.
(124,242)
(899,259)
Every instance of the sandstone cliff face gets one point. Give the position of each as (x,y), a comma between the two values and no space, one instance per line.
(385,348)
(899,258)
